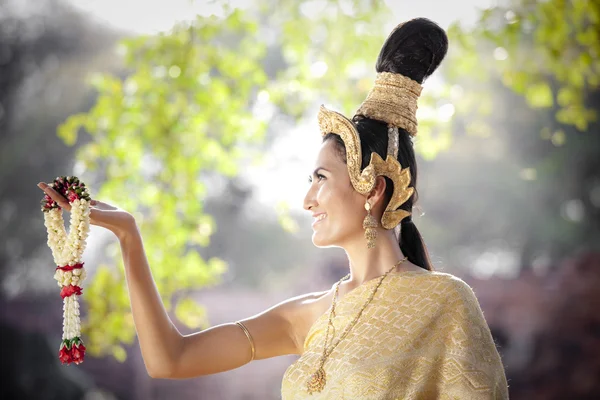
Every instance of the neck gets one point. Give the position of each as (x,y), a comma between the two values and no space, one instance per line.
(367,264)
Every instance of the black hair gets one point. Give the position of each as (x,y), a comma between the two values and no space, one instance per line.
(414,49)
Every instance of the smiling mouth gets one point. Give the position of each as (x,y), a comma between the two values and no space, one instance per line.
(319,218)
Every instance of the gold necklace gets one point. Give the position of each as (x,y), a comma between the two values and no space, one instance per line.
(317,381)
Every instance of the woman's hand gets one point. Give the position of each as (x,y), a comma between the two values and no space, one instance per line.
(102,214)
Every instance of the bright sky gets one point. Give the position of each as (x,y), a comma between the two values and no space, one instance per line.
(283,175)
(145,16)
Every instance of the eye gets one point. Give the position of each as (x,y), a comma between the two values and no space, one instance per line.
(320,177)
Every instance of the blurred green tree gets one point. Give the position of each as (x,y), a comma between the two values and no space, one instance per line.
(526,78)
(189,108)
(196,102)
(548,52)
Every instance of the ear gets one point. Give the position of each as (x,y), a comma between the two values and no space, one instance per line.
(377,195)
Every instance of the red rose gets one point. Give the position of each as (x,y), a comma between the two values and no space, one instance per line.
(69,290)
(49,201)
(72,196)
(64,355)
(77,353)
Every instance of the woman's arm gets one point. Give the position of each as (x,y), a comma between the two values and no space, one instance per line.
(159,339)
(168,354)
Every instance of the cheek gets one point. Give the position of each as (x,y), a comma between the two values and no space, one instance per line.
(354,210)
(343,204)
(324,196)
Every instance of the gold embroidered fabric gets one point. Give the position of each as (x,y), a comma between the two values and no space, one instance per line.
(422,337)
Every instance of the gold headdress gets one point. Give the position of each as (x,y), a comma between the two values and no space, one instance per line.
(393,99)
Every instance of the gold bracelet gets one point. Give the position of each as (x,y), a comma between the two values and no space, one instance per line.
(248,336)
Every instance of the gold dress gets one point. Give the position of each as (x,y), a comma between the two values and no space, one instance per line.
(423,336)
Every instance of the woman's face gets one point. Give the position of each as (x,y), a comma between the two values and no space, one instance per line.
(337,209)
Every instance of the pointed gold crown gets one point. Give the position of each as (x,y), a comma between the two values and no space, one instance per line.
(363,182)
(393,99)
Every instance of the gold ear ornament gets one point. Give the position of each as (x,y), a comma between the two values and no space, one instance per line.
(370,226)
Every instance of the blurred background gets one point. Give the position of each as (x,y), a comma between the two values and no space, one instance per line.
(200,118)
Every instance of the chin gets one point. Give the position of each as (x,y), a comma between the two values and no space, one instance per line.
(321,241)
(323,245)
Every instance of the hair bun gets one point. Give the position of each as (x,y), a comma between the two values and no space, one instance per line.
(414,49)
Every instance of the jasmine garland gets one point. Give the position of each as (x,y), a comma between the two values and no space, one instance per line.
(67,251)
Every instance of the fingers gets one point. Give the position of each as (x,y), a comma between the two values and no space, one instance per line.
(104,206)
(60,199)
(54,195)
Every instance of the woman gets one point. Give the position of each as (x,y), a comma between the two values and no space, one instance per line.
(392,328)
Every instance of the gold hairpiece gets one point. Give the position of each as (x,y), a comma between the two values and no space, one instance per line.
(393,141)
(393,99)
(363,182)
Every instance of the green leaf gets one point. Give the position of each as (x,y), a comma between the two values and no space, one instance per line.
(539,95)
(119,353)
(68,130)
(191,313)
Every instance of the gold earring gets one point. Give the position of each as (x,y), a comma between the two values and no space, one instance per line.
(369,224)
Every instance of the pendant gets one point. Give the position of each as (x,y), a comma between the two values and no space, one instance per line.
(316,382)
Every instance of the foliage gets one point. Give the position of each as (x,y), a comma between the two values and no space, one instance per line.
(187,110)
(526,78)
(548,52)
(196,102)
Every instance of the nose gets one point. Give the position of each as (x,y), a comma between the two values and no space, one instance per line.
(310,200)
